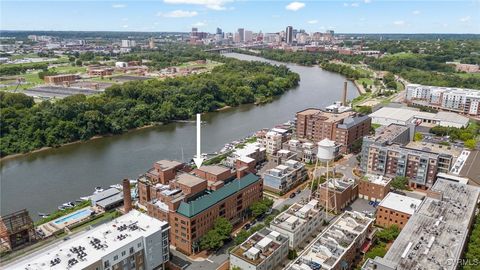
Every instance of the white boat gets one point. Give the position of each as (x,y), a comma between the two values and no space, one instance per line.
(61,207)
(68,204)
(43,215)
(86,198)
(117,186)
(133,181)
(98,190)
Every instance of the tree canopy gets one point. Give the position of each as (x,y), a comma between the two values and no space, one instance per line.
(26,126)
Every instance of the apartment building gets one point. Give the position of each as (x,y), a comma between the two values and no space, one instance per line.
(132,241)
(164,170)
(436,235)
(341,192)
(263,250)
(251,151)
(389,153)
(339,246)
(344,128)
(461,100)
(396,209)
(191,207)
(60,79)
(305,151)
(299,222)
(284,177)
(272,142)
(373,187)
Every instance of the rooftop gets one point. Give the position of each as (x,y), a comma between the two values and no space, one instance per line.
(435,235)
(331,245)
(377,179)
(214,169)
(92,245)
(296,215)
(168,164)
(400,203)
(188,180)
(328,116)
(202,203)
(388,134)
(259,246)
(454,151)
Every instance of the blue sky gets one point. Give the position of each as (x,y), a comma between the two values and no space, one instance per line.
(354,16)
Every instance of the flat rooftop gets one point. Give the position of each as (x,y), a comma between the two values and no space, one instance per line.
(388,134)
(259,246)
(128,227)
(331,245)
(189,180)
(168,164)
(297,215)
(214,169)
(400,203)
(328,116)
(377,179)
(435,148)
(434,237)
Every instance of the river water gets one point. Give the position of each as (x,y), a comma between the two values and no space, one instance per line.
(41,181)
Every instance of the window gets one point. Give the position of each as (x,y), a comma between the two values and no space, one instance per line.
(106,264)
(115,257)
(124,253)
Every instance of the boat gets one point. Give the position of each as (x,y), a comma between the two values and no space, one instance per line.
(69,204)
(61,208)
(85,198)
(117,186)
(133,181)
(98,190)
(43,215)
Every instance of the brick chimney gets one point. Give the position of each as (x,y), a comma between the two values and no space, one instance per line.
(127,197)
(344,97)
(241,172)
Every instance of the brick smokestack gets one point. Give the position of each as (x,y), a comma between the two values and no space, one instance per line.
(127,197)
(344,97)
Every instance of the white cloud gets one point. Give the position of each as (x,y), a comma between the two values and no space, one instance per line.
(125,26)
(465,19)
(367,1)
(119,6)
(399,23)
(416,12)
(211,4)
(312,22)
(351,4)
(178,14)
(294,6)
(200,24)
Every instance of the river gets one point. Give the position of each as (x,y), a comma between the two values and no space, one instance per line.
(41,181)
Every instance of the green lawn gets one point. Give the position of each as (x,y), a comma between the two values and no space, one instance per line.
(68,69)
(367,81)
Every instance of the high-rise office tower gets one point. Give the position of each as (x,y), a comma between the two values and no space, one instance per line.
(289,35)
(241,34)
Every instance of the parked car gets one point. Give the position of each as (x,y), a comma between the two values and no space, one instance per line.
(293,195)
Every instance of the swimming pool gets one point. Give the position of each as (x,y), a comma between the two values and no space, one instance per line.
(77,215)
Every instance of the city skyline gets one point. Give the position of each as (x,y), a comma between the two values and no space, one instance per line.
(366,16)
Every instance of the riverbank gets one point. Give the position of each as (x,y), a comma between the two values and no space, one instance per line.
(13,156)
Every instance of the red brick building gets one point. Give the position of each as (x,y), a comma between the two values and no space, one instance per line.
(396,209)
(344,128)
(343,191)
(192,202)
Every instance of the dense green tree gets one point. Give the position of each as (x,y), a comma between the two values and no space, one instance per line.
(399,182)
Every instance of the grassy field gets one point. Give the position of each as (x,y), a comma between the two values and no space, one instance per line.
(367,81)
(68,69)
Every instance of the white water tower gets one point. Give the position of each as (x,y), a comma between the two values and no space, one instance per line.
(326,150)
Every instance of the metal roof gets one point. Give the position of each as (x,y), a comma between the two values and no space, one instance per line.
(194,207)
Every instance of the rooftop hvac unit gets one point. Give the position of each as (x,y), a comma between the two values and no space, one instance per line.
(326,150)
